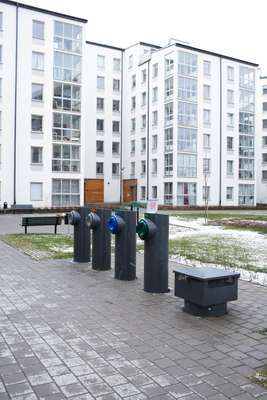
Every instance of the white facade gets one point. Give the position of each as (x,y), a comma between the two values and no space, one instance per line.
(32,170)
(180,122)
(262,147)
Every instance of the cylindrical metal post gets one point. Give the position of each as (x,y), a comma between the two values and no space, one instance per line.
(81,245)
(101,243)
(154,230)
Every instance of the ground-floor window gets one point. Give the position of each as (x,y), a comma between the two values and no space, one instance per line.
(168,193)
(65,192)
(36,193)
(186,194)
(246,195)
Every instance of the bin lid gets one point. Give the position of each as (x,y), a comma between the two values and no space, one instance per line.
(205,273)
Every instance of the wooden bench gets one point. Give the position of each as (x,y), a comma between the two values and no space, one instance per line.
(205,290)
(41,221)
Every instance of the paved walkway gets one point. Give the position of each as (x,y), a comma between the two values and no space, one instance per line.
(69,332)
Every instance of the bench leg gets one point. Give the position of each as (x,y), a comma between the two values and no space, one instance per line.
(55,229)
(25,230)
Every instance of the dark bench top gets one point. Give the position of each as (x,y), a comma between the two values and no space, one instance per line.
(42,220)
(21,206)
(204,273)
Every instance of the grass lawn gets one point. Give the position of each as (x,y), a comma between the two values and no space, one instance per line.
(261,377)
(42,246)
(215,215)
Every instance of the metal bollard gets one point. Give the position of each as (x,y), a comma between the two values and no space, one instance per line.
(122,225)
(81,245)
(154,230)
(101,241)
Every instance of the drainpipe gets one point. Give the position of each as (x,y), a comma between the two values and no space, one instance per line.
(15,109)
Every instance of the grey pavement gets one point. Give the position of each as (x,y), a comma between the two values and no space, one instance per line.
(68,332)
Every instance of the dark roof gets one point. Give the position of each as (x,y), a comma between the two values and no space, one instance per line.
(144,44)
(185,46)
(104,45)
(42,10)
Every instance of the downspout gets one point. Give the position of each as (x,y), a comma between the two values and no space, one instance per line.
(148,131)
(220,172)
(15,108)
(121,158)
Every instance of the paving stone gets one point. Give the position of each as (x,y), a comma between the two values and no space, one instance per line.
(74,389)
(66,379)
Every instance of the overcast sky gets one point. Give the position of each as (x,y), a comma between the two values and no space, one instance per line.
(237,28)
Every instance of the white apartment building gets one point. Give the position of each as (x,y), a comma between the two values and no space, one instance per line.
(262,148)
(42,134)
(82,122)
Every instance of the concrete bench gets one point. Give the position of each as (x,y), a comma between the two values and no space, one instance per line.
(41,221)
(205,290)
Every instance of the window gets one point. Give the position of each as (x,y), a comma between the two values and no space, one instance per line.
(99,168)
(168,193)
(115,148)
(143,103)
(143,167)
(1,21)
(187,89)
(169,64)
(116,64)
(143,144)
(230,143)
(37,61)
(101,62)
(67,97)
(155,70)
(186,194)
(66,158)
(246,77)
(116,127)
(264,89)
(154,192)
(169,87)
(264,158)
(230,73)
(37,92)
(67,67)
(206,92)
(143,121)
(264,106)
(206,68)
(130,63)
(144,75)
(36,155)
(155,94)
(36,191)
(230,120)
(143,193)
(67,37)
(246,168)
(100,104)
(1,54)
(168,164)
(168,140)
(100,82)
(187,165)
(154,142)
(100,125)
(154,118)
(132,146)
(246,195)
(133,81)
(264,123)
(1,87)
(246,146)
(206,193)
(116,105)
(187,139)
(133,103)
(168,113)
(154,166)
(206,166)
(65,192)
(206,141)
(133,124)
(66,127)
(115,169)
(38,30)
(100,146)
(229,193)
(264,141)
(187,114)
(264,175)
(206,117)
(187,63)
(116,85)
(37,123)
(132,168)
(230,96)
(230,167)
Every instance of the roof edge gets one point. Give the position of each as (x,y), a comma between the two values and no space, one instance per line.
(108,46)
(43,10)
